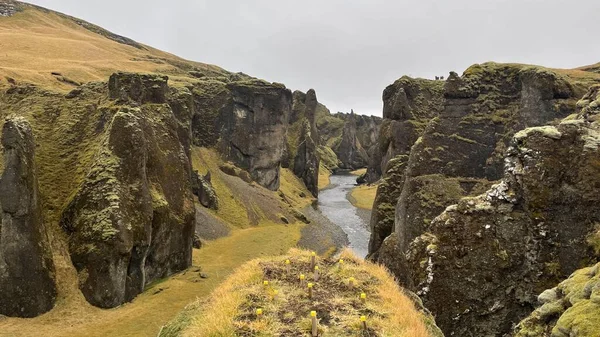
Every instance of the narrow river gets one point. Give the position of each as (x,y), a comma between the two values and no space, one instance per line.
(334,204)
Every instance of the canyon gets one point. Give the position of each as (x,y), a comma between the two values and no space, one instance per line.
(132,189)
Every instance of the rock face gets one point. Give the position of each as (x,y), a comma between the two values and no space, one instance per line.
(460,152)
(350,137)
(483,262)
(570,309)
(349,150)
(132,220)
(26,267)
(303,140)
(247,120)
(408,106)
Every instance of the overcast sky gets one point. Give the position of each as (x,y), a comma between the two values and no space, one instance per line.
(350,50)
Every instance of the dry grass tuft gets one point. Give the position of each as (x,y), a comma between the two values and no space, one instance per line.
(231,309)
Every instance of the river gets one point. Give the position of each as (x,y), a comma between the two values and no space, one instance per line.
(334,204)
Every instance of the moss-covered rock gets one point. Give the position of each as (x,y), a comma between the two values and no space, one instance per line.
(132,220)
(138,88)
(203,189)
(484,260)
(408,105)
(27,280)
(573,311)
(465,144)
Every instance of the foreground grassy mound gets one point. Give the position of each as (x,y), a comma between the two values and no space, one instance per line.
(286,306)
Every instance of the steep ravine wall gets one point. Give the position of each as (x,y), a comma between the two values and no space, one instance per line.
(460,154)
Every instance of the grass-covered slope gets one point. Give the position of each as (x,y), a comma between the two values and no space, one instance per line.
(231,310)
(57,51)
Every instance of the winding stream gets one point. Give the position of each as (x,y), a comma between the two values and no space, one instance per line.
(334,204)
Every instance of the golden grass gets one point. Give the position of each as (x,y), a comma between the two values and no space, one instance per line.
(363,196)
(294,189)
(231,209)
(153,308)
(230,310)
(242,205)
(359,172)
(36,43)
(324,175)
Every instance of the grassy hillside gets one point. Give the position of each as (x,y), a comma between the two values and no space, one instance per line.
(231,310)
(57,52)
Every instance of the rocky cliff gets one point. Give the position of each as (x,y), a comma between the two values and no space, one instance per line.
(408,105)
(132,220)
(461,153)
(483,261)
(303,140)
(247,120)
(351,137)
(26,267)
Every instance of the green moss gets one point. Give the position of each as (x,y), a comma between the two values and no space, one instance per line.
(462,139)
(593,241)
(328,158)
(581,317)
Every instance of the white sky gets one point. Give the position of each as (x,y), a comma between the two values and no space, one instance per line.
(350,50)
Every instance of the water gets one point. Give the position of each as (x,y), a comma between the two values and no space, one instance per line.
(335,206)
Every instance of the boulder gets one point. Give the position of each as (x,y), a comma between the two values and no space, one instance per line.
(27,283)
(203,189)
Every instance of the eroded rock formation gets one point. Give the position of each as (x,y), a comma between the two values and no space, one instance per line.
(408,105)
(570,309)
(27,285)
(247,120)
(132,220)
(484,260)
(303,140)
(350,138)
(460,152)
